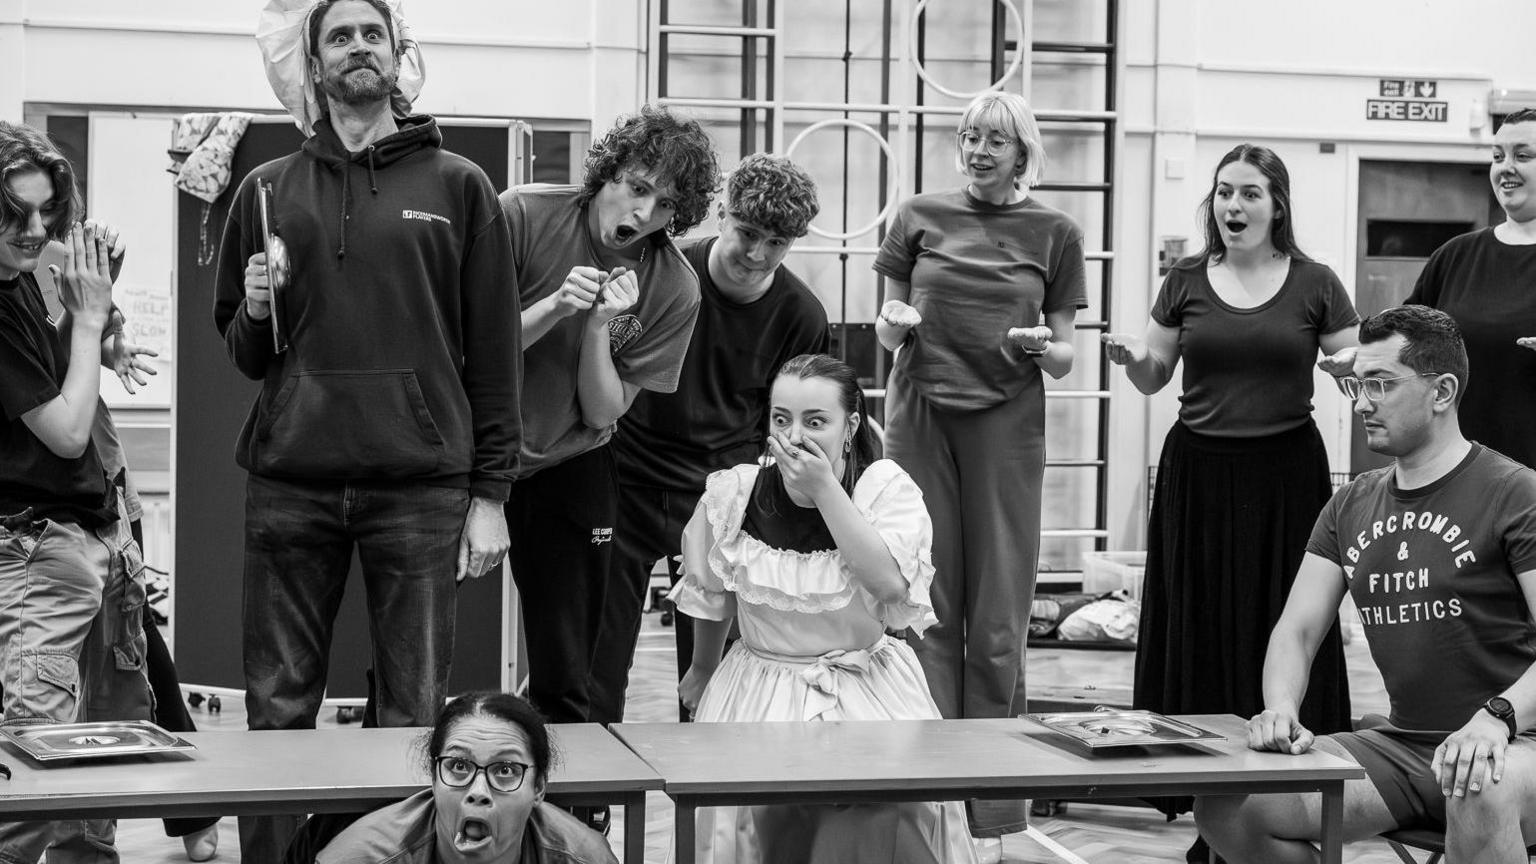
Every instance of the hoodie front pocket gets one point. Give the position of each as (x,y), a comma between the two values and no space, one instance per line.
(372,423)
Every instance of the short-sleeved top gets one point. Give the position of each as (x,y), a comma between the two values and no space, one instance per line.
(1432,571)
(977,269)
(33,363)
(1489,287)
(717,417)
(1248,372)
(648,340)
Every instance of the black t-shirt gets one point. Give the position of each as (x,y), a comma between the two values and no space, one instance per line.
(33,362)
(1489,287)
(772,517)
(1432,571)
(1248,372)
(718,416)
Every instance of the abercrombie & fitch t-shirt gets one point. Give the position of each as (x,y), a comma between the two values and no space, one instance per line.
(1432,571)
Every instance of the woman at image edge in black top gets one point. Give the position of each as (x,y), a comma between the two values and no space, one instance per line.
(1486,280)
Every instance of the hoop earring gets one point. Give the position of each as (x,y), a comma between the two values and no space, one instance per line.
(847,446)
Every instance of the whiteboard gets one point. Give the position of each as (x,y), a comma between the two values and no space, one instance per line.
(130,188)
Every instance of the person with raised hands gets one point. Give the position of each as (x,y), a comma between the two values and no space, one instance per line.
(755,313)
(1438,551)
(982,286)
(1243,472)
(608,309)
(71,576)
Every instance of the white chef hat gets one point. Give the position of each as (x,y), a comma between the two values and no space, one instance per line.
(283,34)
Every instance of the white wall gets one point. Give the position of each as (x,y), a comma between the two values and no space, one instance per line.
(579,60)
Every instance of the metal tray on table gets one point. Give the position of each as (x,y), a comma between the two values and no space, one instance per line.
(1108,728)
(59,741)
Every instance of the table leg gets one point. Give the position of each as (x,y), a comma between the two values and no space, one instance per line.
(1332,838)
(683,830)
(634,828)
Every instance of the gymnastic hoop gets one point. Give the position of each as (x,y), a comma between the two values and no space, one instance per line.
(890,156)
(1018,56)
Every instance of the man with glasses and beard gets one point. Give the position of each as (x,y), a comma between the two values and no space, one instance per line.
(389,422)
(1438,552)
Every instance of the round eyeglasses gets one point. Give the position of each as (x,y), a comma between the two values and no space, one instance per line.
(1375,389)
(995,145)
(458,772)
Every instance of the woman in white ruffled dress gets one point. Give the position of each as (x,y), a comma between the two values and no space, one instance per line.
(816,556)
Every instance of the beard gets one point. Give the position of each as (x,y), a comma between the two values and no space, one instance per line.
(354,88)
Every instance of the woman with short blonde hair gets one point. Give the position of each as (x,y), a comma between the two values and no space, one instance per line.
(983,284)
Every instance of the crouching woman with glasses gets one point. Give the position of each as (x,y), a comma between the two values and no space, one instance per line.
(489,756)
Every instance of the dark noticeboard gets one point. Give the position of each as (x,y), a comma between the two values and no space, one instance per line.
(211,403)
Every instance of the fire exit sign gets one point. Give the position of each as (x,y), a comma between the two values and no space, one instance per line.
(1408,99)
(1406,88)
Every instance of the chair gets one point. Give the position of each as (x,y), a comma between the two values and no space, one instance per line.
(1423,839)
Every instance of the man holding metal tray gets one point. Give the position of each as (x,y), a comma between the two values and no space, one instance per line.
(388,417)
(1438,552)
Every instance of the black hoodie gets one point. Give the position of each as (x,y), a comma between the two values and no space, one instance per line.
(404,329)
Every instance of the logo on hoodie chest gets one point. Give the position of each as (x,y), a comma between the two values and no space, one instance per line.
(424,216)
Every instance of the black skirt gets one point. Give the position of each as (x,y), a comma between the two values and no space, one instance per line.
(1229,527)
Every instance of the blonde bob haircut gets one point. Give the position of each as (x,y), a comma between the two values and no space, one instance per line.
(1009,114)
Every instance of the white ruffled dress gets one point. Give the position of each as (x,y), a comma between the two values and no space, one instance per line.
(813,647)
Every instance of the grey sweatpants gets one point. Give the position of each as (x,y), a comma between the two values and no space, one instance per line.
(981,473)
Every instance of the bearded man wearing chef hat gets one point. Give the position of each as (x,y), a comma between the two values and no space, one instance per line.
(384,326)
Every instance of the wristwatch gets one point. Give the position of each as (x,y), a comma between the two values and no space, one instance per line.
(1499,707)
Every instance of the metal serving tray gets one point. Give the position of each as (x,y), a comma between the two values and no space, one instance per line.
(50,742)
(1108,728)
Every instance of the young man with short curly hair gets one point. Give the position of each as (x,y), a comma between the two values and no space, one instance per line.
(608,308)
(755,315)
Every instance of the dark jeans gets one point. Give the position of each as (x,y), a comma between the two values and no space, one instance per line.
(299,539)
(561,522)
(650,528)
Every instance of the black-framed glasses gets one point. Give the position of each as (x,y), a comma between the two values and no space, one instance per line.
(995,145)
(1375,389)
(458,772)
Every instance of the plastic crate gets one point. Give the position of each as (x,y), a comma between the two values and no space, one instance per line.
(1114,571)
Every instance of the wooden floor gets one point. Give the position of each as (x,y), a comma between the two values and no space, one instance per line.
(1098,833)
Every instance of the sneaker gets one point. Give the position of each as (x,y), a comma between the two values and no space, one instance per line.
(202,845)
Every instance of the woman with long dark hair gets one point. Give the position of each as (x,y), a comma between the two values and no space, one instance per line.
(1243,472)
(816,555)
